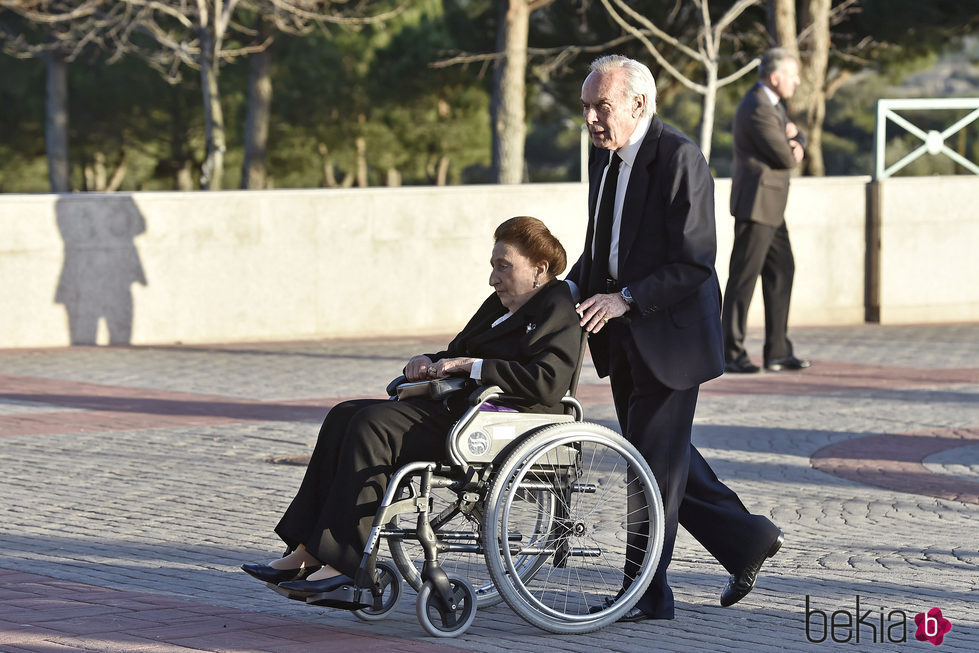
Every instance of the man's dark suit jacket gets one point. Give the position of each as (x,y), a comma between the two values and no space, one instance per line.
(763,160)
(667,245)
(533,354)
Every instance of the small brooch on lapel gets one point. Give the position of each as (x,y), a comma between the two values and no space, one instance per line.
(531,327)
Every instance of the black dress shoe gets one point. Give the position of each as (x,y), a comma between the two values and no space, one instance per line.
(634,614)
(276,576)
(741,366)
(738,586)
(789,363)
(311,587)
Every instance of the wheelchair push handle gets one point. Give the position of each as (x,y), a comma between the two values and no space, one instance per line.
(392,387)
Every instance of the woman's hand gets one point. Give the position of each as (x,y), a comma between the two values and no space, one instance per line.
(451,367)
(418,368)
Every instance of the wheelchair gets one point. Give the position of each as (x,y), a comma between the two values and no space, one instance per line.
(560,518)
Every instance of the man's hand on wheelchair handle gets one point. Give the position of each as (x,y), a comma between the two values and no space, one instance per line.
(597,310)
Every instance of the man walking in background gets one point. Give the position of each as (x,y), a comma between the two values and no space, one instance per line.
(767,145)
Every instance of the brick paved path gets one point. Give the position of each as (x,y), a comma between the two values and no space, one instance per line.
(134,481)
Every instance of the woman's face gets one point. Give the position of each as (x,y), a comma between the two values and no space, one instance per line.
(514,274)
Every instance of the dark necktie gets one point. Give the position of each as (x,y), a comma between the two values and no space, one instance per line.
(603,229)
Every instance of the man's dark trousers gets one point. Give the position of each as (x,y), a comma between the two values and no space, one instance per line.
(693,497)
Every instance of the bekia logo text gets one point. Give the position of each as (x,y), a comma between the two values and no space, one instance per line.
(872,626)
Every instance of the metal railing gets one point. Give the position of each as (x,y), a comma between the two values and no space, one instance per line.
(933,141)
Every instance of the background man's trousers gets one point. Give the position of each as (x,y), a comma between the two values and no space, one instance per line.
(763,250)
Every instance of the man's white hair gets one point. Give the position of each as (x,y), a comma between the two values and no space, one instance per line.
(639,79)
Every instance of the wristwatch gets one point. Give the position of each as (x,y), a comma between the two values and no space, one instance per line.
(627,296)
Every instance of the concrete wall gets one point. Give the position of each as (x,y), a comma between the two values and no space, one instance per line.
(150,268)
(929,241)
(232,266)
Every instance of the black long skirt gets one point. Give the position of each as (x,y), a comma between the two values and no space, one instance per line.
(360,445)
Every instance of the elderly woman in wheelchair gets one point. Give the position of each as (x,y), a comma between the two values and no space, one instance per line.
(521,351)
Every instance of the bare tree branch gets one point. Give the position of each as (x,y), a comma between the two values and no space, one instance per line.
(653,50)
(706,53)
(741,72)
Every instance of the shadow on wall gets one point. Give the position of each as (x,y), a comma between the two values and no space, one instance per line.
(101,263)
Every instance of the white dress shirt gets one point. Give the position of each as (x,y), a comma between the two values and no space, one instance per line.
(770,93)
(628,154)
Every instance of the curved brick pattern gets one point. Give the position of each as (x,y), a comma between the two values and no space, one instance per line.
(895,461)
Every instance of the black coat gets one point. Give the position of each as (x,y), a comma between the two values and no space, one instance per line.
(667,245)
(763,160)
(532,354)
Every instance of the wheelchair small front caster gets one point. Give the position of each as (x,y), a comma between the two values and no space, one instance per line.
(389,581)
(447,621)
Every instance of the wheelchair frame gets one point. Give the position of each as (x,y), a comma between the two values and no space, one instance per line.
(528,493)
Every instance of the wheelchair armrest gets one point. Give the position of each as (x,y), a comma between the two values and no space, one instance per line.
(485,393)
(392,388)
(478,396)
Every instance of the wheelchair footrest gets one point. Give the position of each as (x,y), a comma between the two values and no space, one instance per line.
(295,596)
(347,597)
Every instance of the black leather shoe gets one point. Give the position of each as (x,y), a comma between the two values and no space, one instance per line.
(276,576)
(633,615)
(607,603)
(738,586)
(741,366)
(311,587)
(789,363)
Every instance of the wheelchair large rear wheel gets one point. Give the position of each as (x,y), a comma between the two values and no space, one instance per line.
(605,539)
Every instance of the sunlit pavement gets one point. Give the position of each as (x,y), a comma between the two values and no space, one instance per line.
(135,481)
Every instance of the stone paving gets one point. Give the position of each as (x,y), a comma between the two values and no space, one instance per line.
(134,481)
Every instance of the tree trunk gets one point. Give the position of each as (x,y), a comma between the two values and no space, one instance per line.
(181,164)
(361,165)
(707,115)
(442,171)
(253,170)
(212,171)
(183,178)
(329,179)
(782,24)
(507,106)
(811,103)
(808,104)
(56,123)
